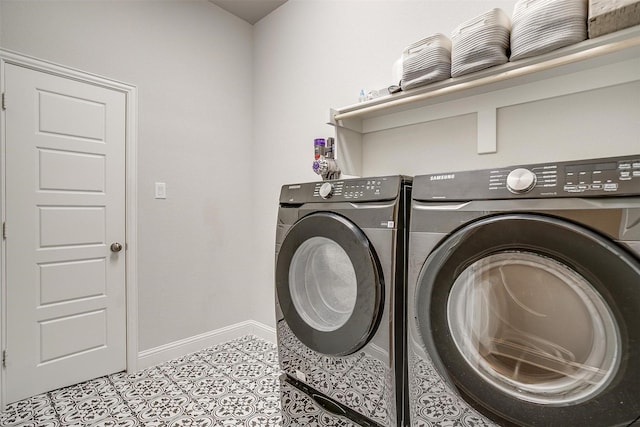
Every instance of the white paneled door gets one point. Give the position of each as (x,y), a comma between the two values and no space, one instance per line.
(65,220)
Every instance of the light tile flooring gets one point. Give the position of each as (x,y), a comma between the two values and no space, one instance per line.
(231,384)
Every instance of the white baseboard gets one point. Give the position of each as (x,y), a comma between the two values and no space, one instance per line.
(263,331)
(173,350)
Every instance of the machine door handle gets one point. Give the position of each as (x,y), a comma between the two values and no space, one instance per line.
(116,247)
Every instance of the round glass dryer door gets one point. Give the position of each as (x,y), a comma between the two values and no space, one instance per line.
(533,328)
(329,284)
(532,318)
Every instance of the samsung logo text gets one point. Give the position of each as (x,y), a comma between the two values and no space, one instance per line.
(442,177)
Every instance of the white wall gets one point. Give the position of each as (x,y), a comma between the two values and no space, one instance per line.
(311,55)
(225,107)
(192,63)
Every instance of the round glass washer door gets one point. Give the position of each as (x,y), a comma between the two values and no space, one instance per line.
(317,262)
(329,284)
(533,319)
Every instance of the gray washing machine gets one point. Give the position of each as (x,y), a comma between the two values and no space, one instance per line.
(524,296)
(340,284)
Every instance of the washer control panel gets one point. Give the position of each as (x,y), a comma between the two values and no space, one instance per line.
(343,190)
(618,176)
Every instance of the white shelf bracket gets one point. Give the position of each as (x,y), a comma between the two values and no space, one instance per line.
(487,130)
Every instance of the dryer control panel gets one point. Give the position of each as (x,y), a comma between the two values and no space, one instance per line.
(616,176)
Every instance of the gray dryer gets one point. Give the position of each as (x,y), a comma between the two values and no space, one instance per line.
(523,295)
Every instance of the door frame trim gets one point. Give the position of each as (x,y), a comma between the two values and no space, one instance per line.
(131,172)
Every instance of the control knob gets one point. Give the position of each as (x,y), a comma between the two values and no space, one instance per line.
(326,190)
(521,180)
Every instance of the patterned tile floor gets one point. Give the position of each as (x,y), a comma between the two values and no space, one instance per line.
(231,384)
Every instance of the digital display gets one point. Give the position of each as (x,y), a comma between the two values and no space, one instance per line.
(592,167)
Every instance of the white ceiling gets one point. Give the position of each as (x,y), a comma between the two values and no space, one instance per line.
(250,10)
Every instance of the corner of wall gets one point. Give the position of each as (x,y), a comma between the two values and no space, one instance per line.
(180,348)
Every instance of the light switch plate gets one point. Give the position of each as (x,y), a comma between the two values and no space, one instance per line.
(161,190)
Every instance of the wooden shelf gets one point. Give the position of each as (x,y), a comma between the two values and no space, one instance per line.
(615,47)
(604,62)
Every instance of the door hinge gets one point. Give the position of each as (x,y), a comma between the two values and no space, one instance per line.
(4,102)
(4,230)
(4,358)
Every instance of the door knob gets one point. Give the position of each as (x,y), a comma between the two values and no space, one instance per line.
(116,247)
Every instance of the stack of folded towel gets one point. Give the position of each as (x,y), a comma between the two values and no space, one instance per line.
(426,61)
(540,26)
(480,43)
